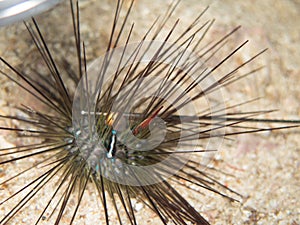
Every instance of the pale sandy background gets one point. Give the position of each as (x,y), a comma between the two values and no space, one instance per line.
(265,167)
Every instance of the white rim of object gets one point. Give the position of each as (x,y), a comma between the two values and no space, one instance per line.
(12,11)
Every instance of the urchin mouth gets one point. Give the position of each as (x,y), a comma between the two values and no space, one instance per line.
(96,144)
